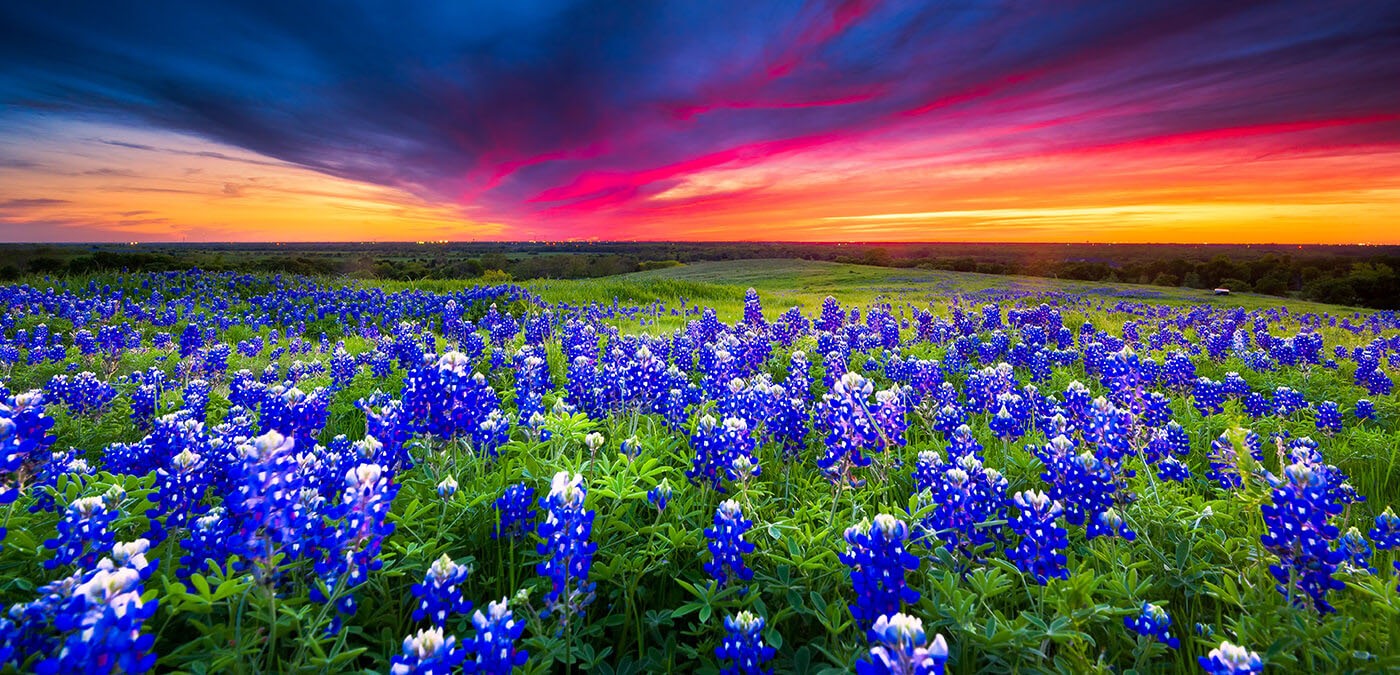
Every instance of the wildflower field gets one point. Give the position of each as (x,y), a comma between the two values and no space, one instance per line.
(847,469)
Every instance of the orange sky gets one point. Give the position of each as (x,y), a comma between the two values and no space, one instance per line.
(1224,190)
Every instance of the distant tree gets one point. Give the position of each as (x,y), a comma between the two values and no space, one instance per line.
(1165,279)
(495,277)
(45,265)
(1273,283)
(1337,291)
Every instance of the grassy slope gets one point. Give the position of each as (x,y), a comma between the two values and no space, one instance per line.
(785,282)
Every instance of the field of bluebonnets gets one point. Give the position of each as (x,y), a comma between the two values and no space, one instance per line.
(229,473)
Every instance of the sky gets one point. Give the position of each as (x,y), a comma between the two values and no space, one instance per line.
(855,120)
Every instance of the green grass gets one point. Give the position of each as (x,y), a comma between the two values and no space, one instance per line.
(805,283)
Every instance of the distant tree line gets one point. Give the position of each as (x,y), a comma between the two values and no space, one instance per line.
(1350,275)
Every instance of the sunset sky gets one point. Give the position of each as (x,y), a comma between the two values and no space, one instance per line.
(1108,121)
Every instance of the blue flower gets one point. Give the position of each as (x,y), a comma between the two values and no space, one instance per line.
(1153,622)
(440,593)
(566,547)
(1042,538)
(1386,533)
(1365,409)
(100,615)
(447,488)
(1229,659)
(857,425)
(1298,532)
(1329,417)
(743,651)
(492,649)
(1357,550)
(878,558)
(1208,396)
(660,495)
(964,496)
(351,550)
(727,544)
(1109,523)
(900,649)
(83,533)
(517,518)
(429,652)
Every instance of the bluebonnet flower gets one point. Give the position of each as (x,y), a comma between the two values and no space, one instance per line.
(964,496)
(743,651)
(1042,538)
(566,546)
(1172,469)
(262,504)
(492,649)
(964,444)
(179,487)
(949,417)
(1356,549)
(517,518)
(1153,622)
(1234,384)
(1329,417)
(145,400)
(205,541)
(727,544)
(446,488)
(83,393)
(832,316)
(101,622)
(631,447)
(1288,401)
(856,424)
(1386,533)
(352,549)
(191,340)
(1257,405)
(440,593)
(1229,659)
(900,648)
(1109,523)
(195,397)
(1298,532)
(388,423)
(24,443)
(1224,463)
(1365,409)
(342,367)
(1004,424)
(660,495)
(1081,481)
(878,558)
(709,466)
(429,652)
(1208,396)
(447,399)
(296,414)
(84,533)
